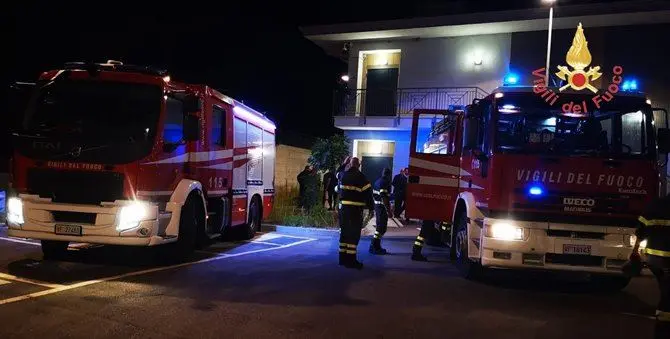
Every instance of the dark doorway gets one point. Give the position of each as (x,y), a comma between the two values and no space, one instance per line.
(380,93)
(372,166)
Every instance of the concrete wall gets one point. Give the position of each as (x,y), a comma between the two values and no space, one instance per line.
(290,161)
(444,62)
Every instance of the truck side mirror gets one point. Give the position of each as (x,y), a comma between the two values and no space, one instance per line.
(663,140)
(191,103)
(191,128)
(20,94)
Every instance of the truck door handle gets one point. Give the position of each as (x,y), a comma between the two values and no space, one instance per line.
(413,179)
(550,160)
(612,163)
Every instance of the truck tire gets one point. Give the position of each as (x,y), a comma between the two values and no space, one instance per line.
(468,269)
(610,283)
(53,250)
(191,221)
(255,217)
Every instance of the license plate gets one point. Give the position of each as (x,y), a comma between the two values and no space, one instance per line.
(577,249)
(68,230)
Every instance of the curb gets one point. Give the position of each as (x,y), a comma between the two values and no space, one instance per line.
(324,231)
(299,230)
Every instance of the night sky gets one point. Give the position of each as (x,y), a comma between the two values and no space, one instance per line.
(249,50)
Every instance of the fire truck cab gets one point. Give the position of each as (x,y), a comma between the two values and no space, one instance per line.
(118,154)
(517,183)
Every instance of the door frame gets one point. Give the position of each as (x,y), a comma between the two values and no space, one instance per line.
(360,84)
(360,156)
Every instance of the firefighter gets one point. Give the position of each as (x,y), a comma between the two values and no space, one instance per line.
(339,173)
(380,195)
(655,229)
(355,196)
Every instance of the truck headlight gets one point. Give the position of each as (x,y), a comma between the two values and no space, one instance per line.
(15,211)
(131,215)
(633,239)
(504,231)
(643,244)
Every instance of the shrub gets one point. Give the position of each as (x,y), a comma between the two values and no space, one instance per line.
(286,212)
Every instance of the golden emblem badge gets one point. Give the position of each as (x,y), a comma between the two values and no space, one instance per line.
(579,58)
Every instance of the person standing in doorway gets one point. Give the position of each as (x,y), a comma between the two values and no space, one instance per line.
(399,191)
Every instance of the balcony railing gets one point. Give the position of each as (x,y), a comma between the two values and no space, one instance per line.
(364,102)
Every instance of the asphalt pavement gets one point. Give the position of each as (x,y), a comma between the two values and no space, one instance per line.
(287,284)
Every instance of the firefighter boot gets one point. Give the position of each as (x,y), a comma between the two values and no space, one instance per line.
(351,262)
(416,254)
(343,258)
(376,247)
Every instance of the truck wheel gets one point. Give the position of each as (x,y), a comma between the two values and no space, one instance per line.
(255,217)
(190,221)
(54,249)
(468,268)
(610,283)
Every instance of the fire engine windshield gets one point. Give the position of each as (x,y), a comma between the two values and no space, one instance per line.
(96,111)
(620,128)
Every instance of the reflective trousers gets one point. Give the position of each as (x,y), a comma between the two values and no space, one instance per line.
(427,227)
(381,221)
(660,266)
(351,223)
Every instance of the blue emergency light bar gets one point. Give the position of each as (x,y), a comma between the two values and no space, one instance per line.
(629,85)
(511,79)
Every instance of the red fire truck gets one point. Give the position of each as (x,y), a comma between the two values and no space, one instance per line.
(118,154)
(517,183)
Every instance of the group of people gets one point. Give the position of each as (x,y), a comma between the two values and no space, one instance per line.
(356,193)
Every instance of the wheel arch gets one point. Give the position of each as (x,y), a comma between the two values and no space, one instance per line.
(182,192)
(260,204)
(474,231)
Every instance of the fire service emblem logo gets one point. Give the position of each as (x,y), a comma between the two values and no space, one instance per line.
(579,57)
(578,78)
(75,152)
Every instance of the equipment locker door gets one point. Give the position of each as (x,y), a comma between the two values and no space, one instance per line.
(434,164)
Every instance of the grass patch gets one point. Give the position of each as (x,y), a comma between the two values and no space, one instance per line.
(286,212)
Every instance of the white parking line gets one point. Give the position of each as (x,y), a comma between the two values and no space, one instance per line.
(263,242)
(29,281)
(152,270)
(639,315)
(20,241)
(294,236)
(4,282)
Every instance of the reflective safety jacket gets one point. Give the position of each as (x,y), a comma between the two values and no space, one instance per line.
(381,189)
(655,228)
(355,189)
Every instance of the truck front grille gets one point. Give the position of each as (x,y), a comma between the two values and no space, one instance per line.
(76,187)
(74,217)
(573,260)
(576,234)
